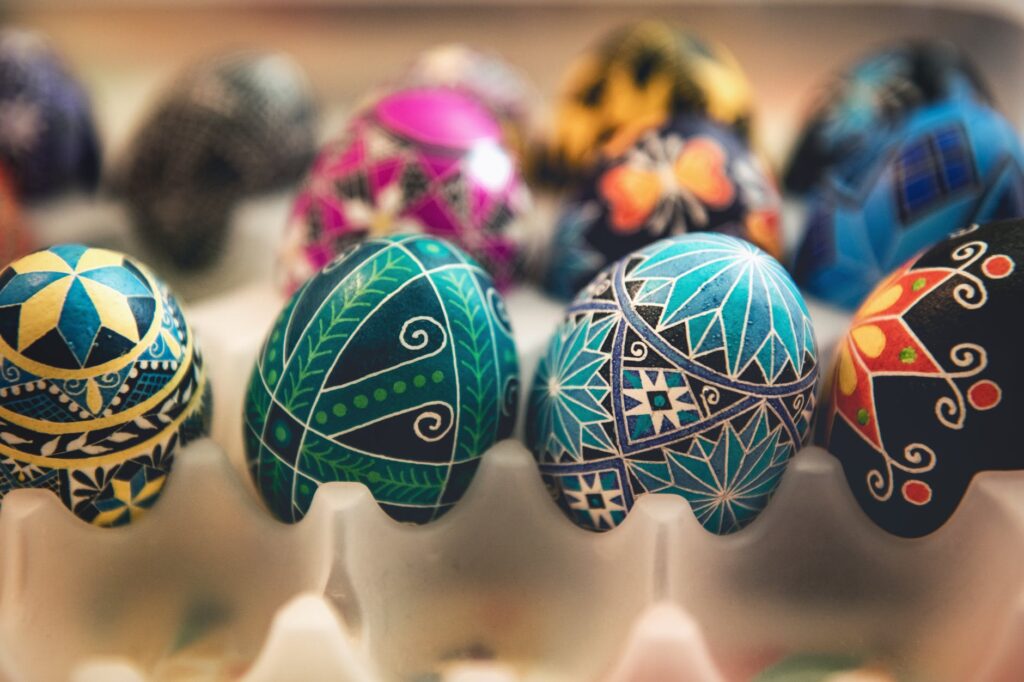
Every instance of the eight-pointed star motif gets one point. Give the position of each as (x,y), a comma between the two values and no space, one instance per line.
(658,400)
(76,292)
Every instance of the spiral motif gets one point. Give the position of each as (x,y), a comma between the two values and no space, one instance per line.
(710,396)
(969,357)
(638,350)
(108,380)
(918,458)
(10,372)
(432,425)
(970,294)
(75,386)
(968,252)
(415,333)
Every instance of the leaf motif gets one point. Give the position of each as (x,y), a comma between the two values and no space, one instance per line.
(78,443)
(11,439)
(121,437)
(169,405)
(144,423)
(95,450)
(49,447)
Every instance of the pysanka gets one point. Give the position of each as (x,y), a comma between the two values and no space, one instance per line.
(688,367)
(100,381)
(394,366)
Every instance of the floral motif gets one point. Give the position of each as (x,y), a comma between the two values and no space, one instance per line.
(921,396)
(881,343)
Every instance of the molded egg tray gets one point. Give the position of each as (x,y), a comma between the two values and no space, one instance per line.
(209,586)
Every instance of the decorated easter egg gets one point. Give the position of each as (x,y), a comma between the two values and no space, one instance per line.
(861,106)
(100,381)
(395,367)
(14,238)
(925,388)
(228,128)
(691,175)
(47,136)
(638,77)
(502,88)
(418,160)
(688,367)
(951,164)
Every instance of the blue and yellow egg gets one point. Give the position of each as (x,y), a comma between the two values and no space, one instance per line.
(100,381)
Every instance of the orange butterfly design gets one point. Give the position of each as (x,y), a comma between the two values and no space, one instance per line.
(697,173)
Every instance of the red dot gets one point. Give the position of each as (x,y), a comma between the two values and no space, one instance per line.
(917,492)
(997,267)
(984,395)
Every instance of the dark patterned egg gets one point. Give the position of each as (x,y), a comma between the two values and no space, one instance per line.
(47,136)
(395,367)
(926,387)
(228,128)
(417,160)
(14,238)
(637,77)
(101,381)
(688,368)
(859,107)
(950,164)
(690,175)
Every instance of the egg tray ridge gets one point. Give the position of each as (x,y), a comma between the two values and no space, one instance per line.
(209,583)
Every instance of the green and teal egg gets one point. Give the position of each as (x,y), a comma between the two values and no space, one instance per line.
(101,381)
(394,367)
(688,368)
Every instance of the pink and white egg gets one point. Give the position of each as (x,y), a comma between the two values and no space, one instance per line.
(426,160)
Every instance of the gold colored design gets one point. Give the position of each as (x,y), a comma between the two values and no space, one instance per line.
(61,373)
(133,505)
(122,455)
(56,428)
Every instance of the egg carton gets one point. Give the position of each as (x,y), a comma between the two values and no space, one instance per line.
(210,586)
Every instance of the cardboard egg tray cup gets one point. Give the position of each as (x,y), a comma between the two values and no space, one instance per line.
(209,586)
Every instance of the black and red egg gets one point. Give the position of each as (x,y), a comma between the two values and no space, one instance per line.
(926,387)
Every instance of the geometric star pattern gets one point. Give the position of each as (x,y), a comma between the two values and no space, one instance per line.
(64,297)
(100,381)
(688,368)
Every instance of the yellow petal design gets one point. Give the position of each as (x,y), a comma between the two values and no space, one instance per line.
(93,397)
(94,259)
(881,301)
(847,373)
(41,261)
(41,312)
(869,339)
(113,309)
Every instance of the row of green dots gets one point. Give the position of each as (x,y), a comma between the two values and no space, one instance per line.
(380,395)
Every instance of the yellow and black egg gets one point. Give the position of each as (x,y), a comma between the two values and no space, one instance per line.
(639,76)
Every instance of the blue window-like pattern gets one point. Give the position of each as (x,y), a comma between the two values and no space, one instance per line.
(930,169)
